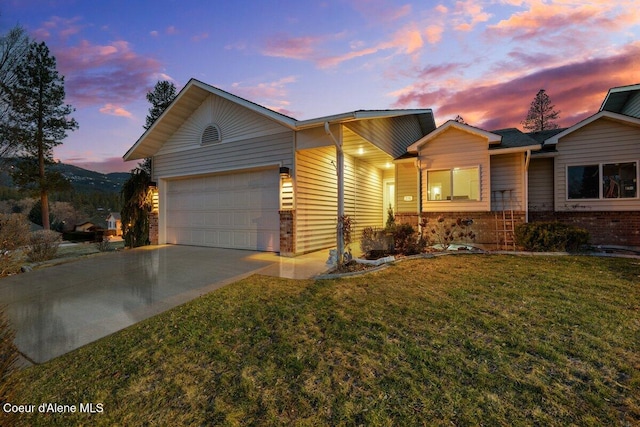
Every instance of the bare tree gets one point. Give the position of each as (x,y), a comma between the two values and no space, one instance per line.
(13,48)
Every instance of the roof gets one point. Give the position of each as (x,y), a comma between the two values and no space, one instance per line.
(542,135)
(503,140)
(602,114)
(513,138)
(195,92)
(491,137)
(617,97)
(115,215)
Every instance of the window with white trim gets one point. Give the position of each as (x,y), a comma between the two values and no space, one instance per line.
(603,181)
(210,135)
(457,184)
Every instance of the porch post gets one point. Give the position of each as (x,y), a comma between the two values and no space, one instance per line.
(340,179)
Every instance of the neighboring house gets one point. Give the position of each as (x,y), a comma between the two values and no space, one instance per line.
(114,223)
(85,227)
(234,174)
(587,175)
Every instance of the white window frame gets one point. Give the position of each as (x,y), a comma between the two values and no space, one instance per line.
(601,180)
(451,170)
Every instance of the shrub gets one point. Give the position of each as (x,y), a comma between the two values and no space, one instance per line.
(406,240)
(104,245)
(8,359)
(14,232)
(550,236)
(375,242)
(397,239)
(43,245)
(444,232)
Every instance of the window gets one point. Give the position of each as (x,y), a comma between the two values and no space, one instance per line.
(603,181)
(211,135)
(454,184)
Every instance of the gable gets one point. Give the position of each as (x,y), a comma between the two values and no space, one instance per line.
(233,121)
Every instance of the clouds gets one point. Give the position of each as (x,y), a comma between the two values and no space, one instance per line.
(577,88)
(110,75)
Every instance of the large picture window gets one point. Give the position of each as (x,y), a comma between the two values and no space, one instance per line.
(454,184)
(603,181)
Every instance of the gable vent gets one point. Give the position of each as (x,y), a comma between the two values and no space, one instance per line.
(211,135)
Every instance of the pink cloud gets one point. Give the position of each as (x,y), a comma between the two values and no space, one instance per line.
(284,46)
(272,94)
(467,14)
(115,110)
(576,88)
(61,27)
(98,74)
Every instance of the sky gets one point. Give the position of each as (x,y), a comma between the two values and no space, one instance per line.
(484,60)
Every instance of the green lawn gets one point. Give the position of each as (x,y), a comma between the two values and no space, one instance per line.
(458,340)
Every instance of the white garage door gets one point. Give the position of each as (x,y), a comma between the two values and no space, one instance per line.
(238,210)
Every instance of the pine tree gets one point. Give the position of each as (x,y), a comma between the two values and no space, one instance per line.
(38,120)
(541,114)
(163,93)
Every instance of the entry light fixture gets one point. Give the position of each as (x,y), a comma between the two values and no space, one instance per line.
(285,172)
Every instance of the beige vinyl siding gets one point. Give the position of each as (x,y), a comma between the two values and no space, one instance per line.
(406,186)
(365,196)
(259,151)
(316,199)
(632,107)
(507,174)
(602,141)
(541,184)
(392,135)
(234,121)
(451,149)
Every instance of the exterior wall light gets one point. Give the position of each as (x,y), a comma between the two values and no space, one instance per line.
(285,172)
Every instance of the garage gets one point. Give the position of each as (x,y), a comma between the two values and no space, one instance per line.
(233,210)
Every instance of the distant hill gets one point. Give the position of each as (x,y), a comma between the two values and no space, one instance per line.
(82,180)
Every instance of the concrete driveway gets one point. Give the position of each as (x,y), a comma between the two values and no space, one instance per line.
(57,309)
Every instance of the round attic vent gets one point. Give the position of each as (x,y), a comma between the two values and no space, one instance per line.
(211,135)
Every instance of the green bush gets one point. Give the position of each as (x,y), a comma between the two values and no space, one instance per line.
(550,237)
(43,245)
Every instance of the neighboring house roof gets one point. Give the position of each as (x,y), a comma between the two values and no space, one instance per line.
(617,97)
(602,114)
(114,215)
(542,135)
(195,92)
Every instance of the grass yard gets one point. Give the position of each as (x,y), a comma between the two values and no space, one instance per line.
(459,340)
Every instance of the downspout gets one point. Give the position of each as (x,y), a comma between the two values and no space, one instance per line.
(340,179)
(419,167)
(527,159)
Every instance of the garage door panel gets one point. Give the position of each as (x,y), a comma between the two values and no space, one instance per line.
(230,211)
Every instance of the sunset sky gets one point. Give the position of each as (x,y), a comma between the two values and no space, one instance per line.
(482,59)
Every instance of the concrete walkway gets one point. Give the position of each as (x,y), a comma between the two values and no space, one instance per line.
(60,308)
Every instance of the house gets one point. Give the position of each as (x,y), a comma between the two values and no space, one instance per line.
(85,227)
(114,224)
(587,175)
(234,174)
(469,173)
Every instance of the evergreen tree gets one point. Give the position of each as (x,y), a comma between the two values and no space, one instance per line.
(163,94)
(541,114)
(137,204)
(38,119)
